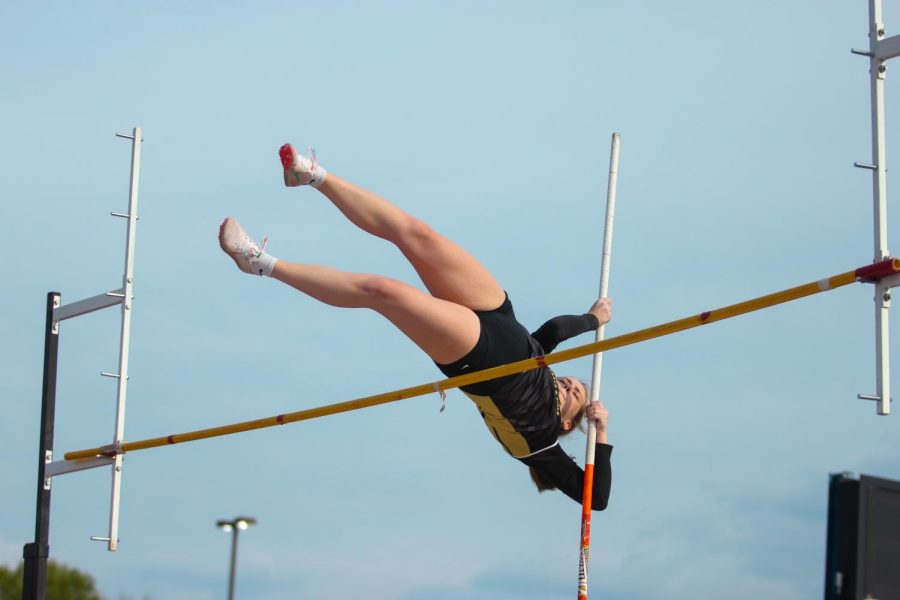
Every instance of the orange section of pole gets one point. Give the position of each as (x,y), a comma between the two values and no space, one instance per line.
(886,267)
(585,530)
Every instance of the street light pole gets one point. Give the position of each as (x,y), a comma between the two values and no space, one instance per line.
(231,570)
(234,527)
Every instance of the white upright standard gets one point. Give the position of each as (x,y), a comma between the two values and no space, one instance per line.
(123,296)
(880,50)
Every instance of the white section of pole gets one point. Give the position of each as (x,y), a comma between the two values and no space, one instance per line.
(877,71)
(605,261)
(882,298)
(607,256)
(125,337)
(882,348)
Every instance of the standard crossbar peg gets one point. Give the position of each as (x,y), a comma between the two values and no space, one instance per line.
(115,294)
(114,375)
(128,136)
(869,397)
(97,538)
(118,214)
(860,165)
(861,52)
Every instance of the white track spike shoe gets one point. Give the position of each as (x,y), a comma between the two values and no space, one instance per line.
(237,244)
(299,169)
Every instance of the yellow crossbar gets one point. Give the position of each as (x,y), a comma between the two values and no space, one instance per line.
(867,273)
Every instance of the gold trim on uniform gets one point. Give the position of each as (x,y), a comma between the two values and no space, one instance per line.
(502,430)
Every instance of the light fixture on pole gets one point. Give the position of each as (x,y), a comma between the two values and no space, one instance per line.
(234,526)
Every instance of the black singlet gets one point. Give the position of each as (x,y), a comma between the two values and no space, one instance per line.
(522,410)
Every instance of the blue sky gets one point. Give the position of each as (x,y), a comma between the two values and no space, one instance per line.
(740,122)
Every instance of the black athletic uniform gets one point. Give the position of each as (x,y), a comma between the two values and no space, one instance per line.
(522,410)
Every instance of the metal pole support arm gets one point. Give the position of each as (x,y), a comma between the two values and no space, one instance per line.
(88,305)
(887,48)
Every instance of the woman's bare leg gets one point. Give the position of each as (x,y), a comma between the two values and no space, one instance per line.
(447,270)
(445,331)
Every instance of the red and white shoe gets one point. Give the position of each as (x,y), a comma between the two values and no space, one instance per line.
(247,254)
(300,169)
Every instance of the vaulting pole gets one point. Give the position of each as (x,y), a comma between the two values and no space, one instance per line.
(605,261)
(869,274)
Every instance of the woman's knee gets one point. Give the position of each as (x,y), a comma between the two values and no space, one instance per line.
(419,234)
(380,290)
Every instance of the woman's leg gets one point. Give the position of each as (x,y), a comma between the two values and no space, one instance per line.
(447,270)
(445,331)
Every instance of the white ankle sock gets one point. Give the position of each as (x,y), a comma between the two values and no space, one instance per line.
(318,178)
(264,264)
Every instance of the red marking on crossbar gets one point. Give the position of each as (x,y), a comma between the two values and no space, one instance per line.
(280,419)
(540,360)
(170,439)
(705,316)
(879,270)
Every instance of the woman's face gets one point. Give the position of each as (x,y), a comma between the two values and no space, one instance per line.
(572,397)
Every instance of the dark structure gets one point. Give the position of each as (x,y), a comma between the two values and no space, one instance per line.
(863,551)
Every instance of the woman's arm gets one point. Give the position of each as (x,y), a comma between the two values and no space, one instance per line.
(558,329)
(559,470)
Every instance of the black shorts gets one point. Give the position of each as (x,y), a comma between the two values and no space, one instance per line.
(502,340)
